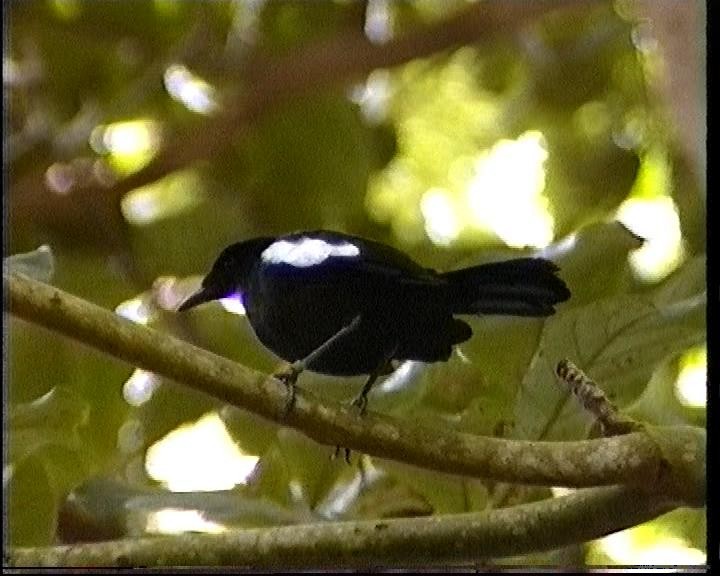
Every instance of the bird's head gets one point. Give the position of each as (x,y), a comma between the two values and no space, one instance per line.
(229,273)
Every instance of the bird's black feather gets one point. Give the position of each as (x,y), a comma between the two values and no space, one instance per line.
(301,289)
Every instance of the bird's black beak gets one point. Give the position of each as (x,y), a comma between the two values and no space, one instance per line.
(200,297)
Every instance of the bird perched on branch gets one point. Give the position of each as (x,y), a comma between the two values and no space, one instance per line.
(343,305)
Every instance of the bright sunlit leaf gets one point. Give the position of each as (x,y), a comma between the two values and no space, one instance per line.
(168,197)
(657,221)
(505,193)
(441,222)
(176,521)
(373,95)
(691,385)
(130,145)
(378,21)
(200,456)
(140,387)
(648,546)
(560,491)
(189,89)
(135,309)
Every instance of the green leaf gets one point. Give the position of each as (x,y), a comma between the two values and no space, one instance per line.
(387,497)
(103,508)
(296,471)
(659,405)
(617,342)
(444,493)
(686,281)
(53,419)
(314,155)
(31,503)
(38,264)
(594,261)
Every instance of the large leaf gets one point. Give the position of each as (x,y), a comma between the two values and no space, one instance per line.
(53,419)
(659,405)
(103,508)
(444,493)
(38,264)
(484,386)
(47,456)
(31,503)
(686,281)
(594,261)
(297,471)
(618,342)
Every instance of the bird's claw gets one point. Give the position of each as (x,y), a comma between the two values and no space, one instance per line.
(337,451)
(361,402)
(289,378)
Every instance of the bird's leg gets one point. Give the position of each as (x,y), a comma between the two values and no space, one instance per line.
(361,399)
(290,377)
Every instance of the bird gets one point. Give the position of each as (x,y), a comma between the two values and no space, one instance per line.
(343,305)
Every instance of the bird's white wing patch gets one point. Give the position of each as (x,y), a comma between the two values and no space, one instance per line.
(306,252)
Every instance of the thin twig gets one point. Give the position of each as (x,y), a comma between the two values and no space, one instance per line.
(594,400)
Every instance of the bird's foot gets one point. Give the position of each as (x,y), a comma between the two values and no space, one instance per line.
(336,453)
(361,402)
(289,378)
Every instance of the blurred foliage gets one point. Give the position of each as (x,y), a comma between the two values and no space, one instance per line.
(362,157)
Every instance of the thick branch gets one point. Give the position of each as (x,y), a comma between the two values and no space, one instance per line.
(452,539)
(631,458)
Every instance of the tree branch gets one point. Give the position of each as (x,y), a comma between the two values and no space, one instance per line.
(457,539)
(632,458)
(269,81)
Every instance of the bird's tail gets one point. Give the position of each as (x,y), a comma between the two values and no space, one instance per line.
(521,287)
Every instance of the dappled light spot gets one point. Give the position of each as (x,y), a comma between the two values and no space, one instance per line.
(139,388)
(441,222)
(135,309)
(177,521)
(691,384)
(189,89)
(199,456)
(657,221)
(373,95)
(505,193)
(129,145)
(131,436)
(378,21)
(173,195)
(646,545)
(60,178)
(593,119)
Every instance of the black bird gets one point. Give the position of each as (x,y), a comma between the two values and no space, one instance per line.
(343,305)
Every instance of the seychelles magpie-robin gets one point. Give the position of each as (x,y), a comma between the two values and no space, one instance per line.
(343,305)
